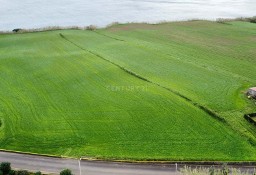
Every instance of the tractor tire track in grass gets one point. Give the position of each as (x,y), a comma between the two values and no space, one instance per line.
(201,107)
(117,39)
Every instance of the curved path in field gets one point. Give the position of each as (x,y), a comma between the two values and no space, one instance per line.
(52,165)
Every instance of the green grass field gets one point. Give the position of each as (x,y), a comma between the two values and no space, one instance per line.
(172,91)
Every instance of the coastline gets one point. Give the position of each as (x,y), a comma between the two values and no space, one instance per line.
(94,27)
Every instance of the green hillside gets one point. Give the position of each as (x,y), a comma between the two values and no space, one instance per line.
(172,91)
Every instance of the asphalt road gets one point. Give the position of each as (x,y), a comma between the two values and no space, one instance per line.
(55,165)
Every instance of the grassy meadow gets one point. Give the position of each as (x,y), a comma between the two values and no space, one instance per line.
(171,91)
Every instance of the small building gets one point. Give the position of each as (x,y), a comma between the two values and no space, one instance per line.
(252,92)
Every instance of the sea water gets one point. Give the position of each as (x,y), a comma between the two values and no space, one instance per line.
(43,13)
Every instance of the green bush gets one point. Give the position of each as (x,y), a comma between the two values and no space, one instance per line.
(66,172)
(12,172)
(16,30)
(38,173)
(253,19)
(224,169)
(1,172)
(5,167)
(91,27)
(212,171)
(22,172)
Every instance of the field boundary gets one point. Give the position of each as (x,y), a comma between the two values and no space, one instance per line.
(99,56)
(117,39)
(169,162)
(53,28)
(36,154)
(148,162)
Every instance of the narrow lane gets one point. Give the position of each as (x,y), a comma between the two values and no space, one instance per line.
(55,165)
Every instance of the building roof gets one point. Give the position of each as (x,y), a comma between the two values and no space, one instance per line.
(253,88)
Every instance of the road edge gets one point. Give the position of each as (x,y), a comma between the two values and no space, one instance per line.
(149,162)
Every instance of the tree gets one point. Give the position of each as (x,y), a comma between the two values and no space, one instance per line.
(66,172)
(5,167)
(1,172)
(253,19)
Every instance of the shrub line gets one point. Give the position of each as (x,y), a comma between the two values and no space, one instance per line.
(43,172)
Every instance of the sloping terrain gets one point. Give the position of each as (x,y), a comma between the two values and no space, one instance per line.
(171,91)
